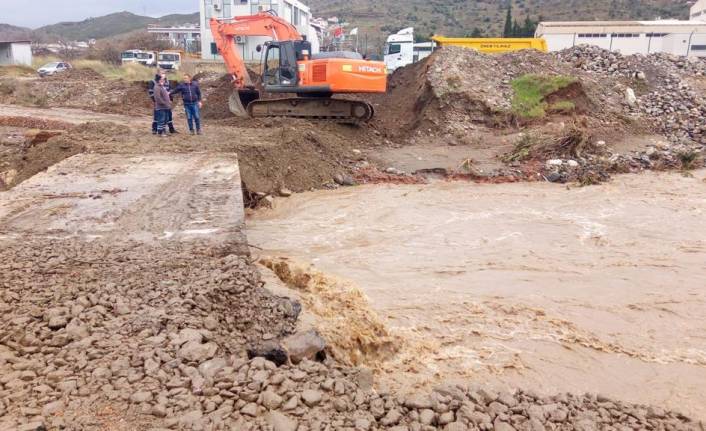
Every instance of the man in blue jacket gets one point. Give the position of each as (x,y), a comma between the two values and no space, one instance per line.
(191,95)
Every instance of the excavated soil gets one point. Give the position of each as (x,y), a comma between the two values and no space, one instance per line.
(24,153)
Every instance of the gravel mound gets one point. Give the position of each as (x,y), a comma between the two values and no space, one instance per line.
(127,323)
(136,336)
(665,94)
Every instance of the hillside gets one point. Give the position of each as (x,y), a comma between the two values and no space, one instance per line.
(461,17)
(110,25)
(11,32)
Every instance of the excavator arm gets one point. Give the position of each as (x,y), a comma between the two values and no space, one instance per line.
(262,24)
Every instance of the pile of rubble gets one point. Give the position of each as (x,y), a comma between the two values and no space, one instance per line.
(667,95)
(87,322)
(98,334)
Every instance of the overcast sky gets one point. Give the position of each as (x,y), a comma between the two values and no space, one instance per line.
(41,12)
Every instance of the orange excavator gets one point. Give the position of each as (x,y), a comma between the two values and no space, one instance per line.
(289,67)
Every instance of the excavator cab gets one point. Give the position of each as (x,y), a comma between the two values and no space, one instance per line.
(280,73)
(280,69)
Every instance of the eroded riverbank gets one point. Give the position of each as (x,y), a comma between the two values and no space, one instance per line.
(524,285)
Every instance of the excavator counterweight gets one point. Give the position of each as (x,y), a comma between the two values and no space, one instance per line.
(289,67)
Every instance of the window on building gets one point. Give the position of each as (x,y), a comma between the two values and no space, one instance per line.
(263,6)
(656,34)
(698,47)
(208,9)
(227,9)
(587,35)
(295,15)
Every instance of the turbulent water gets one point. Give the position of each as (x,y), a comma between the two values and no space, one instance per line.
(599,289)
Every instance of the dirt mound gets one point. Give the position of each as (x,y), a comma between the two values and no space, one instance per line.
(34,152)
(457,87)
(78,74)
(35,123)
(216,94)
(81,89)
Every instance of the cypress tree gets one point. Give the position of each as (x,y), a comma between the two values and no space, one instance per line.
(507,32)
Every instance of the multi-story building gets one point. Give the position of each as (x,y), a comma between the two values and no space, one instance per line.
(293,11)
(698,11)
(187,37)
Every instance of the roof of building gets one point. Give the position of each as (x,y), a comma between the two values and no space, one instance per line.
(657,23)
(665,25)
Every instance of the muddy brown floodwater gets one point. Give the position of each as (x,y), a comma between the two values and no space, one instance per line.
(596,289)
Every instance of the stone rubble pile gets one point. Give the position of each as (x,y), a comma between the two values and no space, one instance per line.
(124,322)
(157,334)
(667,95)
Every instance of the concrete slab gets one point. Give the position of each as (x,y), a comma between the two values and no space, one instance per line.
(141,197)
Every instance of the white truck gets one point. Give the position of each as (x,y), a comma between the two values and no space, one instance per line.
(169,60)
(145,58)
(400,49)
(129,56)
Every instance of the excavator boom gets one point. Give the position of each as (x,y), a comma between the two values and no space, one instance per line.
(289,67)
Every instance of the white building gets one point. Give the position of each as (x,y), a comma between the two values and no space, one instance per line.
(15,52)
(698,11)
(186,37)
(686,38)
(293,11)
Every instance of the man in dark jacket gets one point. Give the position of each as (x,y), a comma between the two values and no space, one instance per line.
(191,95)
(162,106)
(151,89)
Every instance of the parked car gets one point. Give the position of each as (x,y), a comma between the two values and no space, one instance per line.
(53,67)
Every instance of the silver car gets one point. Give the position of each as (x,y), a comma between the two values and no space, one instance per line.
(53,68)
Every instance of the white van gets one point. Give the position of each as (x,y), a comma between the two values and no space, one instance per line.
(169,60)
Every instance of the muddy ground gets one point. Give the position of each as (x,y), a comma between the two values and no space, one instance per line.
(130,333)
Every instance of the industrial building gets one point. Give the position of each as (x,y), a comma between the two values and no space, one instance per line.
(687,38)
(15,52)
(293,11)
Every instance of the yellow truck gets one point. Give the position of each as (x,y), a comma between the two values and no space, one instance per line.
(492,45)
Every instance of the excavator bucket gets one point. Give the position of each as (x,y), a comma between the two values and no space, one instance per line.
(240,99)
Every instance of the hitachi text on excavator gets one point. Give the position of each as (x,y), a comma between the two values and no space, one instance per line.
(289,67)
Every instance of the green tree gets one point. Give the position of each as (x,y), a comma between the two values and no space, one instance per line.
(516,29)
(529,27)
(507,31)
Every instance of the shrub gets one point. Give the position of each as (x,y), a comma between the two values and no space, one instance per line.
(530,91)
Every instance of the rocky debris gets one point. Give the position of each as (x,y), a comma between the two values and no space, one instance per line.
(344,180)
(172,356)
(147,327)
(667,96)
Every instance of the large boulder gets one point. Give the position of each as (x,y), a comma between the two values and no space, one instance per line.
(305,345)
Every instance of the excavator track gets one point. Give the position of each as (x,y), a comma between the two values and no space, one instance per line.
(316,108)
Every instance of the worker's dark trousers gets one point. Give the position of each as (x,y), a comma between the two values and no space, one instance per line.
(170,121)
